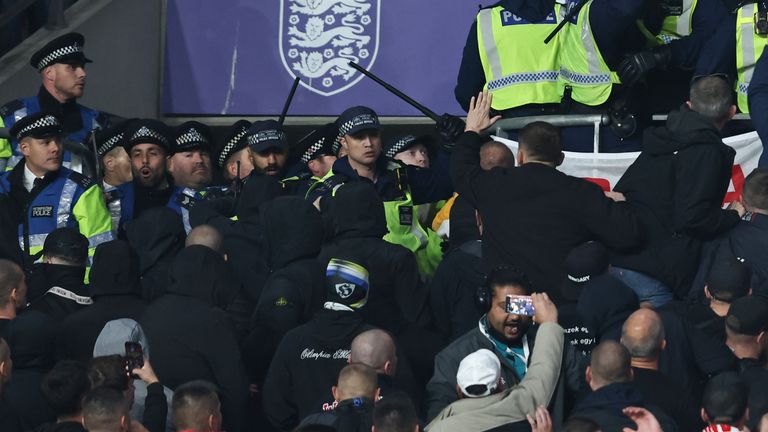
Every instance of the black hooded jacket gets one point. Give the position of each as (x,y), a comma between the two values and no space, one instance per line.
(192,337)
(396,297)
(306,365)
(295,287)
(459,275)
(604,406)
(676,188)
(604,304)
(46,276)
(116,294)
(30,337)
(156,236)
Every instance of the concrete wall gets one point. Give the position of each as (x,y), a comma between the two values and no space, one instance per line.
(122,37)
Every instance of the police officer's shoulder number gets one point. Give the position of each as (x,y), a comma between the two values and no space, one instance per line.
(11,107)
(83,181)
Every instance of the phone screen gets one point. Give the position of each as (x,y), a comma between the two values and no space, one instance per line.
(520,305)
(134,356)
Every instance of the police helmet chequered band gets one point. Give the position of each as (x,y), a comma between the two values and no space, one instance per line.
(145,132)
(191,136)
(311,152)
(46,123)
(58,54)
(266,135)
(231,144)
(110,144)
(358,122)
(399,145)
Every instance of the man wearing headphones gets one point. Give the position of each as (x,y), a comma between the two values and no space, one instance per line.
(505,334)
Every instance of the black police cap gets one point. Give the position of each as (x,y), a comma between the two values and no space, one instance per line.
(235,140)
(38,125)
(67,49)
(109,138)
(317,143)
(190,136)
(146,131)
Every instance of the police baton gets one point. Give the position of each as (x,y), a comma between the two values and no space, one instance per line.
(426,111)
(569,16)
(288,101)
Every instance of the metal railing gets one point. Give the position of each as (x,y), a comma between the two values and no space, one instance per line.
(595,120)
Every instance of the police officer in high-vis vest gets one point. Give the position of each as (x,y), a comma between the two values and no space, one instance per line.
(401,187)
(45,195)
(189,162)
(115,166)
(674,33)
(312,157)
(61,64)
(505,54)
(232,155)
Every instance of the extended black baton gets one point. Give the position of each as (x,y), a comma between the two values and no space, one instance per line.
(426,111)
(572,13)
(288,101)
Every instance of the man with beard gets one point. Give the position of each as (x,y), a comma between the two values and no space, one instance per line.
(268,148)
(503,333)
(61,64)
(147,143)
(189,163)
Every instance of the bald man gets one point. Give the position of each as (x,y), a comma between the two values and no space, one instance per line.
(495,154)
(208,236)
(355,393)
(644,337)
(375,349)
(610,376)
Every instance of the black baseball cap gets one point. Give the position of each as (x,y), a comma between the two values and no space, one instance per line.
(357,119)
(39,125)
(266,134)
(729,278)
(584,263)
(748,316)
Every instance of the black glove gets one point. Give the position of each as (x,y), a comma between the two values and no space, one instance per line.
(450,128)
(634,67)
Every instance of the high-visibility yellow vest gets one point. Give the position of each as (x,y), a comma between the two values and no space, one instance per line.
(676,26)
(581,65)
(519,67)
(749,47)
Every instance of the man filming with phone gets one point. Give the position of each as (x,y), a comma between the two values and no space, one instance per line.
(507,335)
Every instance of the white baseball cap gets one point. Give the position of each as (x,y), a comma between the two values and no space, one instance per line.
(481,368)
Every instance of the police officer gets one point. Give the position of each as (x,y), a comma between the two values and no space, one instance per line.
(61,64)
(411,150)
(45,195)
(314,157)
(399,186)
(232,156)
(190,165)
(115,166)
(147,143)
(268,148)
(674,32)
(505,54)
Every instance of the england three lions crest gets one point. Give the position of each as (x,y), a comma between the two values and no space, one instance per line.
(318,38)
